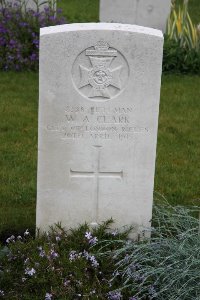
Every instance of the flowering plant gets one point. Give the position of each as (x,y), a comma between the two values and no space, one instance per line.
(19,33)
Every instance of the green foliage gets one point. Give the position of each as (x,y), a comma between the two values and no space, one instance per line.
(105,264)
(182,43)
(167,266)
(181,29)
(177,59)
(58,265)
(19,33)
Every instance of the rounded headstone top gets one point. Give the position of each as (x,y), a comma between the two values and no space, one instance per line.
(100,26)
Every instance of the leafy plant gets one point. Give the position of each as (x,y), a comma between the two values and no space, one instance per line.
(19,33)
(182,42)
(177,59)
(59,265)
(167,266)
(181,29)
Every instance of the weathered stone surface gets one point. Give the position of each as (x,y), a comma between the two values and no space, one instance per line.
(149,13)
(98,116)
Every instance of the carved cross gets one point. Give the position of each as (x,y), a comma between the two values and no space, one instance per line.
(96,174)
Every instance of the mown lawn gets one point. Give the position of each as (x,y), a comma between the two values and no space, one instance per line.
(178,151)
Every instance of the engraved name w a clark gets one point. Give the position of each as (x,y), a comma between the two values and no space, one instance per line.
(98,122)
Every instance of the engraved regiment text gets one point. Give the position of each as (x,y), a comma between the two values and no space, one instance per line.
(96,122)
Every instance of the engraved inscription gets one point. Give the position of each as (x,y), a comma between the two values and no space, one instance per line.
(96,174)
(98,122)
(100,72)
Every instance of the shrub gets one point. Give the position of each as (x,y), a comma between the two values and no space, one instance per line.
(104,264)
(19,34)
(182,42)
(177,59)
(181,28)
(167,266)
(59,265)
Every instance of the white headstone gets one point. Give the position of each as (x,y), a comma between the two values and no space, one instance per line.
(98,117)
(34,4)
(149,13)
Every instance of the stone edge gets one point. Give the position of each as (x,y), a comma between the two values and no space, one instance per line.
(100,26)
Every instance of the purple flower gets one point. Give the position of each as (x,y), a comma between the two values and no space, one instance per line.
(48,296)
(26,233)
(29,271)
(11,239)
(86,255)
(88,235)
(54,254)
(33,57)
(19,35)
(73,255)
(94,262)
(23,24)
(93,241)
(152,291)
(26,261)
(66,282)
(115,295)
(2,293)
(42,253)
(58,238)
(114,233)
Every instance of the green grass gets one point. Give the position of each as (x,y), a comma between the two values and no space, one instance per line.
(18,150)
(80,10)
(178,151)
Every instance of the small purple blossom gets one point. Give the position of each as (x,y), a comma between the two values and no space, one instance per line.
(2,293)
(48,296)
(86,255)
(88,235)
(30,272)
(114,233)
(26,233)
(58,238)
(42,253)
(11,239)
(93,241)
(66,282)
(152,291)
(54,254)
(74,255)
(26,261)
(94,262)
(115,295)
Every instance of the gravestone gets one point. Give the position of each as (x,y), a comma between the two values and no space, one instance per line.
(98,118)
(34,5)
(149,13)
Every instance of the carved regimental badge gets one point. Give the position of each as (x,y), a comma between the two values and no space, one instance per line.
(100,72)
